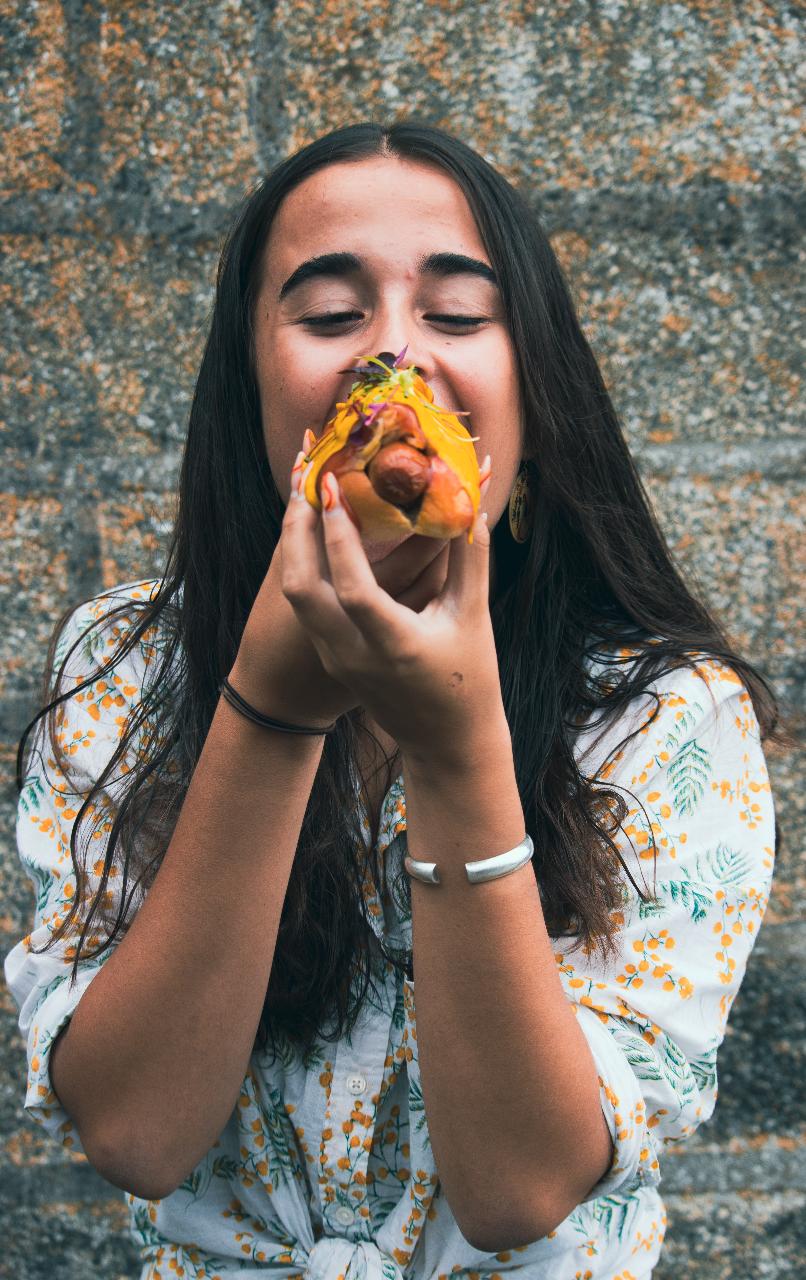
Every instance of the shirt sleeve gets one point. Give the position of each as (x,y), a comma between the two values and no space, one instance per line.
(655,1016)
(89,727)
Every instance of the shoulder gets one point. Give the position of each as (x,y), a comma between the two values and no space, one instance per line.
(702,693)
(96,628)
(113,602)
(100,672)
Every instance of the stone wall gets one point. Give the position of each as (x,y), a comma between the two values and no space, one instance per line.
(660,143)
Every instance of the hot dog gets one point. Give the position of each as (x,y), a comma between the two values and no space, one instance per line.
(403,463)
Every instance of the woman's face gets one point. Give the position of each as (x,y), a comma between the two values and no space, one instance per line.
(390,216)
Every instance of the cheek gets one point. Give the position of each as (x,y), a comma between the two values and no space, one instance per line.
(280,440)
(287,407)
(503,440)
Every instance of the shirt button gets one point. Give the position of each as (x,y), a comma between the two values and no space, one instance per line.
(356,1084)
(343,1216)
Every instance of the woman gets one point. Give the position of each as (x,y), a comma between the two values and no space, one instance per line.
(250,884)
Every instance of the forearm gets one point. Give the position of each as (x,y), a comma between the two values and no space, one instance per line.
(509,1084)
(151,1063)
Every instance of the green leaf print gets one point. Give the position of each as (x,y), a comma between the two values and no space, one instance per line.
(314,1058)
(283,1160)
(688,718)
(47,1037)
(197,1182)
(688,773)
(92,645)
(399,1011)
(703,1070)
(226,1167)
(141,1228)
(676,1068)
(416,1103)
(286,1051)
(42,879)
(32,795)
(696,898)
(728,866)
(663,1060)
(374,997)
(401,897)
(640,1056)
(648,909)
(616,1212)
(608,1212)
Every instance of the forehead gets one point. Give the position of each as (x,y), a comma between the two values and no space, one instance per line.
(382,205)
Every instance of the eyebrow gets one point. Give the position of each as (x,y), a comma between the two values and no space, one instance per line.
(347,264)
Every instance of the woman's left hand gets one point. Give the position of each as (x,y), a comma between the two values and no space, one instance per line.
(429,679)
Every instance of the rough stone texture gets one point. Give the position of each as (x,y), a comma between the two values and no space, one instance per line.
(660,144)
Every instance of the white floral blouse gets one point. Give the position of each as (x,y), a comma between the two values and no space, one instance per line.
(325,1169)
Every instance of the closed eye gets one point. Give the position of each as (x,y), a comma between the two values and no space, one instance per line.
(342,317)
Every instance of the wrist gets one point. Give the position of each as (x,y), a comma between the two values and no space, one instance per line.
(276,703)
(486,735)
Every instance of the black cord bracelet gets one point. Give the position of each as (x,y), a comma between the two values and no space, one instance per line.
(235,700)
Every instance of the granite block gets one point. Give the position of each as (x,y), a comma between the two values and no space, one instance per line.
(787,903)
(101,347)
(142,100)
(740,544)
(40,83)
(76,1241)
(176,84)
(743,1236)
(578,94)
(133,537)
(698,343)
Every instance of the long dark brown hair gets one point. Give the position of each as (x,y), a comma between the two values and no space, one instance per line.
(596,572)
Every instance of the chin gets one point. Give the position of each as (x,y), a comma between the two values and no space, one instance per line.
(377,550)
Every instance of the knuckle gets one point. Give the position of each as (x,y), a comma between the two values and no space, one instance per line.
(408,659)
(294,587)
(354,599)
(331,666)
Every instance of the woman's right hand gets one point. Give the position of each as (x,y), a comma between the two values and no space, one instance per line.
(277,668)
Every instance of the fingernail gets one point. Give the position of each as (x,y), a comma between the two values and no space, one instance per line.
(330,492)
(301,482)
(308,440)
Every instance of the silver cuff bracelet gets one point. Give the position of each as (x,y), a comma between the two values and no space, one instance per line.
(477,872)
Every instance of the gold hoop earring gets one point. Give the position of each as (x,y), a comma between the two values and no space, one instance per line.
(521,506)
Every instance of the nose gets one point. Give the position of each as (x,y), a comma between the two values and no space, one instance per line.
(361,364)
(389,359)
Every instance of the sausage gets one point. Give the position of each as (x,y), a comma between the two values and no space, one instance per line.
(399,473)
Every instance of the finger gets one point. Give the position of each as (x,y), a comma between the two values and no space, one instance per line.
(305,571)
(371,609)
(310,591)
(467,584)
